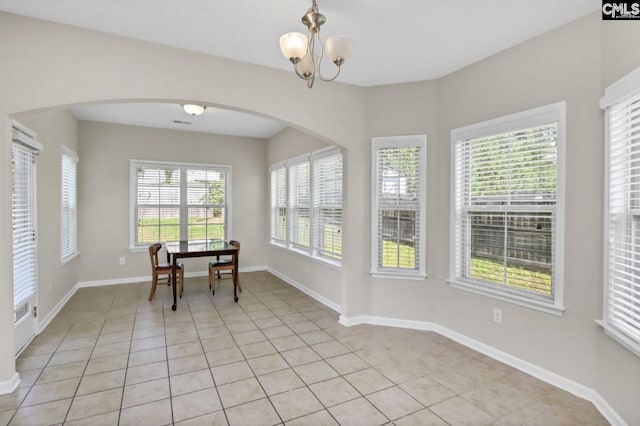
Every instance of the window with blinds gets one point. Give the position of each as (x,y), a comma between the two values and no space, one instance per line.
(23,167)
(505,205)
(306,204)
(68,230)
(279,204)
(399,205)
(622,270)
(176,201)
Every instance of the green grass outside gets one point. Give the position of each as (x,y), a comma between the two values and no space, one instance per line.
(405,259)
(517,277)
(168,229)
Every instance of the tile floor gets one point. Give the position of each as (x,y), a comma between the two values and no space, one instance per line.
(276,357)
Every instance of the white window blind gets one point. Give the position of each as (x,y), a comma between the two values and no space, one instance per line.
(23,162)
(176,201)
(399,211)
(279,204)
(327,206)
(69,244)
(300,204)
(622,292)
(505,210)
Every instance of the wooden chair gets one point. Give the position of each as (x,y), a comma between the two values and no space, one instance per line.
(224,264)
(163,269)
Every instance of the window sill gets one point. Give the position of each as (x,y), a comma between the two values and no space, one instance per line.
(138,249)
(619,337)
(399,276)
(320,260)
(548,308)
(68,259)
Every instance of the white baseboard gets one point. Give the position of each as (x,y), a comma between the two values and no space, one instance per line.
(317,296)
(538,372)
(10,385)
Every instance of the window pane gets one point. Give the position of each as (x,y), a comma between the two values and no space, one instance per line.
(206,223)
(398,249)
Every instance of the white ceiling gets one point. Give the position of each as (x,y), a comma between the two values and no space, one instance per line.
(393,41)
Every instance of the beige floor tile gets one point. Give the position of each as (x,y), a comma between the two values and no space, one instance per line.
(5,416)
(254,350)
(315,372)
(180,338)
(28,378)
(279,331)
(315,337)
(67,357)
(184,349)
(280,381)
(303,327)
(224,356)
(233,372)
(455,381)
(187,364)
(459,412)
(256,413)
(295,403)
(401,371)
(51,391)
(212,419)
(25,363)
(215,331)
(191,382)
(394,402)
(142,393)
(358,412)
(347,363)
(154,413)
(246,337)
(269,322)
(106,339)
(330,349)
(144,373)
(143,344)
(111,349)
(147,357)
(239,327)
(94,404)
(368,381)
(319,418)
(497,399)
(286,343)
(300,356)
(102,365)
(427,391)
(334,391)
(41,414)
(145,333)
(12,400)
(195,404)
(101,382)
(107,419)
(61,372)
(237,393)
(83,342)
(420,418)
(218,342)
(267,364)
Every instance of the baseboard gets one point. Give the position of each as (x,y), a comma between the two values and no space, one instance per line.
(538,372)
(320,298)
(42,324)
(10,385)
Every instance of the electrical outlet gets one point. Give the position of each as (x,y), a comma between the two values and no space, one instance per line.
(497,315)
(123,261)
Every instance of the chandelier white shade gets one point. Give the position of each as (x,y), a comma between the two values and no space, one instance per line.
(193,109)
(301,50)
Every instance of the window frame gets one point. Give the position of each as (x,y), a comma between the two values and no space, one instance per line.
(534,117)
(72,219)
(420,273)
(618,92)
(288,244)
(183,207)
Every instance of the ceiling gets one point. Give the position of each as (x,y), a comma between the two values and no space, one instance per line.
(393,41)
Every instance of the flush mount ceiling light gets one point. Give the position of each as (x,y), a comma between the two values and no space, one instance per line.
(193,109)
(301,50)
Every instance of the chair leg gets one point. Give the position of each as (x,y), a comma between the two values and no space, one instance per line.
(238,280)
(181,278)
(154,283)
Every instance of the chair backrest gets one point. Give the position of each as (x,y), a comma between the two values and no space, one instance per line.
(235,244)
(153,254)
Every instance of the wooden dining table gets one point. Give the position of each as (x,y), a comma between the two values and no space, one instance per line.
(200,248)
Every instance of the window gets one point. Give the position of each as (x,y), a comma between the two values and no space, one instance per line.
(176,201)
(398,223)
(621,313)
(306,205)
(507,208)
(69,236)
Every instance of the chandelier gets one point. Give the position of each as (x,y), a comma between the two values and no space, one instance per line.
(301,50)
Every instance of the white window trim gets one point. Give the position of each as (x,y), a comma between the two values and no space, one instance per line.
(509,123)
(68,152)
(287,245)
(617,91)
(133,247)
(399,141)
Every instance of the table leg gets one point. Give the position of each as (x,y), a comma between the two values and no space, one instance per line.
(173,281)
(235,277)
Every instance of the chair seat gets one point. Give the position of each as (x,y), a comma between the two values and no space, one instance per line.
(221,262)
(168,266)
